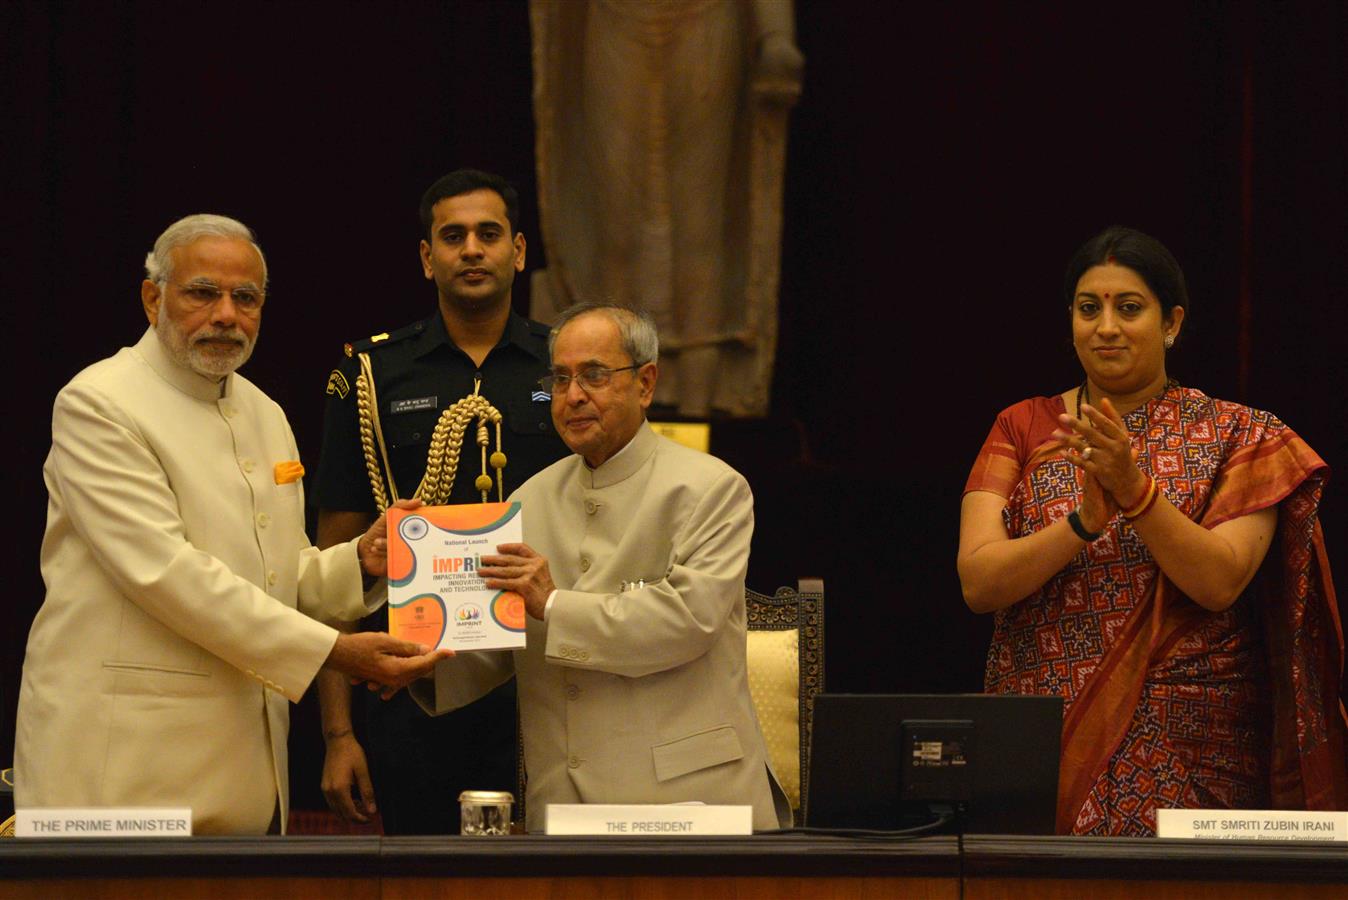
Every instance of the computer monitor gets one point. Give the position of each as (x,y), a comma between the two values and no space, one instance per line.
(886,761)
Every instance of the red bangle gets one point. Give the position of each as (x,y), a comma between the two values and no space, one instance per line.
(1155,495)
(1142,495)
(1145,502)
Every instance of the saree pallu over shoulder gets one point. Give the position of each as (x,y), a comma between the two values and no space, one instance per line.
(1309,766)
(1303,633)
(1111,628)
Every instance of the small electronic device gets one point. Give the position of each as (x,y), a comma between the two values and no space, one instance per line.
(895,761)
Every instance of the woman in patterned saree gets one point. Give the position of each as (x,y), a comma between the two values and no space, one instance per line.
(1154,556)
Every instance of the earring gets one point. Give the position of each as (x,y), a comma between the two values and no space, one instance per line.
(1169,341)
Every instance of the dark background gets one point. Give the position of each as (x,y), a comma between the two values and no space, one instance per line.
(944,161)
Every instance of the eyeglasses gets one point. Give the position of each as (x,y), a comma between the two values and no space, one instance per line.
(201,294)
(590,379)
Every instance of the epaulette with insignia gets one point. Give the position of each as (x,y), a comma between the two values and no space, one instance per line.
(384,337)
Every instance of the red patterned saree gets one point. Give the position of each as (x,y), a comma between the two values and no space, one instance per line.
(1168,704)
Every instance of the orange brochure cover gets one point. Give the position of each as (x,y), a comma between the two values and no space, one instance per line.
(435,596)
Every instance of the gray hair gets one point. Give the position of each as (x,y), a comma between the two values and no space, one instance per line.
(636,329)
(159,261)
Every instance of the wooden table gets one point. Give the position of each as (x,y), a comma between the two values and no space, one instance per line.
(765,866)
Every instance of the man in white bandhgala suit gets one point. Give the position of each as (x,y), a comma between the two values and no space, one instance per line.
(183,598)
(633,685)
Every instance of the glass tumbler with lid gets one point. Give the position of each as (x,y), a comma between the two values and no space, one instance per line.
(485,812)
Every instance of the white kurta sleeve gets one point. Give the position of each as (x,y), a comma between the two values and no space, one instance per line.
(462,679)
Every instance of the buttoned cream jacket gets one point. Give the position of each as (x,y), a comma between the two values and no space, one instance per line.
(635,689)
(182,598)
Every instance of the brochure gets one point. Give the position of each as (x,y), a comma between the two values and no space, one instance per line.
(435,595)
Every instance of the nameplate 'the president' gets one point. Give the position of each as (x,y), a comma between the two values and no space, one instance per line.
(648,820)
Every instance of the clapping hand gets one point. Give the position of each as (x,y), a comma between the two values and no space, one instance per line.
(1098,443)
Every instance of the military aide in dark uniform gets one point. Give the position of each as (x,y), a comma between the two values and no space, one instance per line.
(474,362)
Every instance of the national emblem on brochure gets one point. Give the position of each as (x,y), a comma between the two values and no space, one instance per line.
(435,595)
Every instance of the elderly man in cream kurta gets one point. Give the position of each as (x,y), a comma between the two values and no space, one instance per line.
(181,589)
(633,686)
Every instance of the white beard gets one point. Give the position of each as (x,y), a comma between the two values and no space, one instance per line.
(187,351)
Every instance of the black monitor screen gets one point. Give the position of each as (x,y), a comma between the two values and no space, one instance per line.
(885,761)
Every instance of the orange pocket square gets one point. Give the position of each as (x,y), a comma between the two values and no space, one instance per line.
(287,472)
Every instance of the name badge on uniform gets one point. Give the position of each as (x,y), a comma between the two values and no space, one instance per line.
(412,405)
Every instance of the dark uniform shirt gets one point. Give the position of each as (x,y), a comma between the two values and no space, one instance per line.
(420,764)
(418,373)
